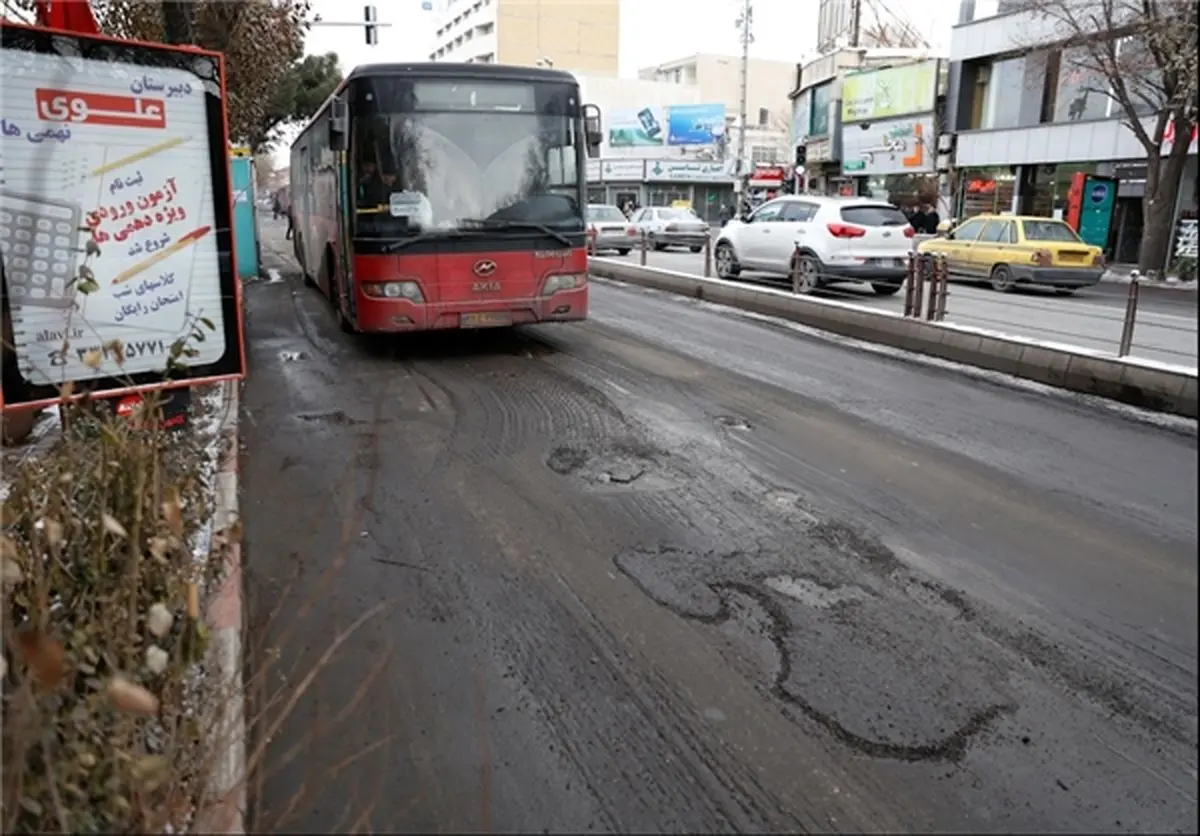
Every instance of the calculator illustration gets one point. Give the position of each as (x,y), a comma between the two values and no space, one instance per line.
(39,242)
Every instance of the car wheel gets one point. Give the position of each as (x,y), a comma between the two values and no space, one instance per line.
(1002,280)
(656,244)
(727,263)
(883,289)
(695,249)
(623,252)
(806,275)
(1065,291)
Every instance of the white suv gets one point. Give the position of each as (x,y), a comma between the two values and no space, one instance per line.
(818,241)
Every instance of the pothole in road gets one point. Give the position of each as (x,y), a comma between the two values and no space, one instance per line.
(336,417)
(619,466)
(732,422)
(814,594)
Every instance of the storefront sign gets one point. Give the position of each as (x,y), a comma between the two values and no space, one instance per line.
(705,172)
(768,176)
(636,127)
(819,151)
(593,171)
(115,217)
(897,146)
(622,170)
(890,92)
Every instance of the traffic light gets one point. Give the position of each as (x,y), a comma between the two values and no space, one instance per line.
(370,18)
(801,155)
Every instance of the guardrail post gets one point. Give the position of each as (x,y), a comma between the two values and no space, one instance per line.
(943,271)
(931,304)
(591,242)
(909,283)
(918,295)
(708,257)
(1131,304)
(794,273)
(642,235)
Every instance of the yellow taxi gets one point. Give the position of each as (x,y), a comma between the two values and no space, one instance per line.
(1008,250)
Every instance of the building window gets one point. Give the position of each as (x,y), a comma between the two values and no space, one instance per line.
(818,124)
(762,154)
(999,87)
(665,195)
(1082,91)
(764,117)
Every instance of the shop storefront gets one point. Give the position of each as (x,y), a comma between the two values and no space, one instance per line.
(704,186)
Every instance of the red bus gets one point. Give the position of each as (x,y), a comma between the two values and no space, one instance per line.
(435,196)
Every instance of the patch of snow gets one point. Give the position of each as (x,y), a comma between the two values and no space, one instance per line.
(209,431)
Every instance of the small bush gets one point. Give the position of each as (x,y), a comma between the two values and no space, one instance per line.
(103,629)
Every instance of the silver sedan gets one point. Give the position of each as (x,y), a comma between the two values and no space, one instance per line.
(665,227)
(611,229)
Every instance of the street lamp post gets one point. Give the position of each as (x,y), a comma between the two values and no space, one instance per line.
(745,23)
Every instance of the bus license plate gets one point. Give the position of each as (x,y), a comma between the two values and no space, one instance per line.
(485,320)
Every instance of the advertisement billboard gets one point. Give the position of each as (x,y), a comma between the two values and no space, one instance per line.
(115,216)
(700,124)
(891,92)
(894,146)
(636,127)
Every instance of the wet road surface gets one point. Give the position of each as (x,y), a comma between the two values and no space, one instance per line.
(673,569)
(1092,318)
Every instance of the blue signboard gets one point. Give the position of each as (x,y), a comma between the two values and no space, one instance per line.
(245,232)
(1095,213)
(702,124)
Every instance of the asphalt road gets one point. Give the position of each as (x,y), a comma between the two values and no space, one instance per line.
(674,569)
(1092,318)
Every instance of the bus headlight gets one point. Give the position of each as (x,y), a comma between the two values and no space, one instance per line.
(563,281)
(394,290)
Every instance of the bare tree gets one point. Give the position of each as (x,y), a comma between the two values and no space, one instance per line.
(885,28)
(1142,55)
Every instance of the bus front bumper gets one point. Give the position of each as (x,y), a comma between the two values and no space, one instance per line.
(381,316)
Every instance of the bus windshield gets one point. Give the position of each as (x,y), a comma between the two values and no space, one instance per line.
(438,156)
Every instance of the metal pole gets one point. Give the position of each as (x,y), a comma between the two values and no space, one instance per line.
(855,23)
(943,270)
(708,257)
(918,284)
(910,284)
(1131,304)
(643,248)
(931,305)
(745,22)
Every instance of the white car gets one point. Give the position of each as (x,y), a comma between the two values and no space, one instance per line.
(818,241)
(665,227)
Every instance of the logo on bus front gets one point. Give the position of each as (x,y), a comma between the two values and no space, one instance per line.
(484,268)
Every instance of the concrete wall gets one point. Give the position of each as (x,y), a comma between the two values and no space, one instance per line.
(580,36)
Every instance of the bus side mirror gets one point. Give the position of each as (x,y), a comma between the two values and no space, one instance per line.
(337,125)
(593,133)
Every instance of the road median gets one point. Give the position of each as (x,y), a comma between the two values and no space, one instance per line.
(1148,385)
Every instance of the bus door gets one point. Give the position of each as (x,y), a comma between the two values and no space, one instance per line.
(339,139)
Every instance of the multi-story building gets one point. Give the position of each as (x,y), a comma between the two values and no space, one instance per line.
(1028,115)
(816,119)
(664,144)
(575,36)
(718,79)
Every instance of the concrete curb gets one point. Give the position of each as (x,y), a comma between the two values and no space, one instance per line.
(1146,385)
(223,809)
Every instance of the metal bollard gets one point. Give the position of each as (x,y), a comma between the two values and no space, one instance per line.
(918,295)
(909,282)
(943,269)
(591,243)
(1131,304)
(643,248)
(708,257)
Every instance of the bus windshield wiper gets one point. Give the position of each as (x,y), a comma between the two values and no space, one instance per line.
(500,223)
(396,246)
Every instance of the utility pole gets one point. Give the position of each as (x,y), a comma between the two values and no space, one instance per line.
(855,22)
(745,22)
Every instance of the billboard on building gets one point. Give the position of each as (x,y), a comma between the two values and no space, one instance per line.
(698,124)
(892,146)
(887,93)
(115,216)
(637,127)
